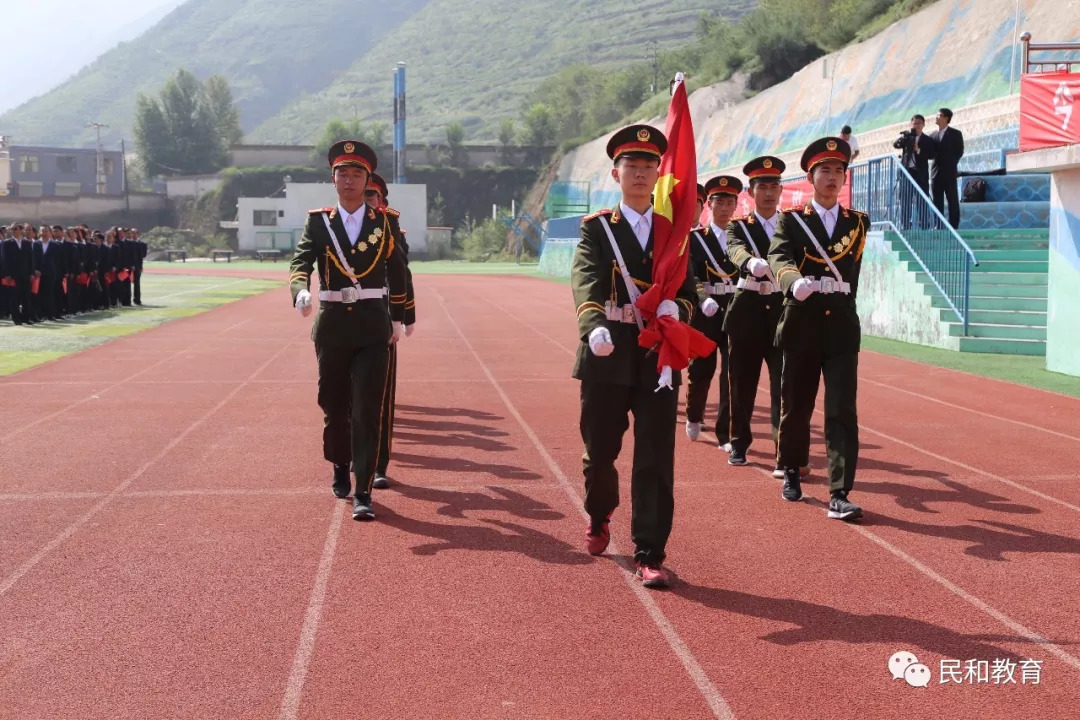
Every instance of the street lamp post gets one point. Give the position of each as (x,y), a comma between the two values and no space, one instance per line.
(100,157)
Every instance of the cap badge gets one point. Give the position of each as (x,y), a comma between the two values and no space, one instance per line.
(831,145)
(349,148)
(767,163)
(723,181)
(643,135)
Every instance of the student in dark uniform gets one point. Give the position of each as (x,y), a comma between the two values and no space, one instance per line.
(140,255)
(19,266)
(816,255)
(376,197)
(49,265)
(716,276)
(753,312)
(352,247)
(618,377)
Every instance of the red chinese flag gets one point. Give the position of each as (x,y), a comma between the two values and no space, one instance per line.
(674,211)
(1049,110)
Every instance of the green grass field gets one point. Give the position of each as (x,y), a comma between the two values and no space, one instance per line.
(165,298)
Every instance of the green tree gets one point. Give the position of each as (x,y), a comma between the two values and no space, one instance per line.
(507,135)
(539,126)
(455,138)
(226,116)
(178,132)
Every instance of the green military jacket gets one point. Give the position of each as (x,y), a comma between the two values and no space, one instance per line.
(373,263)
(401,248)
(597,284)
(706,274)
(749,312)
(832,320)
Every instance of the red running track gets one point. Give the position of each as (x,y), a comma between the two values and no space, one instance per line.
(170,547)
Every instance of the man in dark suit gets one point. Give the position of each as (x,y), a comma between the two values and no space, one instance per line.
(949,148)
(917,148)
(140,255)
(352,248)
(19,273)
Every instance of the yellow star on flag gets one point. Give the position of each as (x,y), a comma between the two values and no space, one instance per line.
(665,186)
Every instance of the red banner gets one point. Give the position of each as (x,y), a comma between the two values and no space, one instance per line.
(1049,110)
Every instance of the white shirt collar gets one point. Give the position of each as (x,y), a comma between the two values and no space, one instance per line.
(345,215)
(822,212)
(769,221)
(632,216)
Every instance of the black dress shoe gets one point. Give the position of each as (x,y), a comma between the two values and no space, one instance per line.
(381,482)
(792,486)
(342,482)
(361,507)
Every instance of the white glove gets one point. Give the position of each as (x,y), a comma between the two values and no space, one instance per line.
(600,342)
(665,379)
(667,308)
(303,302)
(399,332)
(801,289)
(709,307)
(409,329)
(757,267)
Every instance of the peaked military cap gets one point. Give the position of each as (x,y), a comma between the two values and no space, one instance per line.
(701,192)
(826,148)
(764,167)
(352,152)
(376,183)
(637,141)
(723,185)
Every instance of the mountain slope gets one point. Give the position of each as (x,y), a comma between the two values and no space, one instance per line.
(271,51)
(475,60)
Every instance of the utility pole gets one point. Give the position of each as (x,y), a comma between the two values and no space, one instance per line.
(100,157)
(653,47)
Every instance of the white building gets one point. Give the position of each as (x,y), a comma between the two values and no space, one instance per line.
(278,222)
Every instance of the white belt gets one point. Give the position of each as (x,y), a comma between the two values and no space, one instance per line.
(620,313)
(351,295)
(720,289)
(828,286)
(764,287)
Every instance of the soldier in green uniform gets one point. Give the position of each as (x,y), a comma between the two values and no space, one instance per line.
(376,197)
(816,255)
(750,322)
(352,246)
(716,276)
(612,265)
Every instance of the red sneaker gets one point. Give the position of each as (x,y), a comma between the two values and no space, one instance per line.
(597,536)
(652,575)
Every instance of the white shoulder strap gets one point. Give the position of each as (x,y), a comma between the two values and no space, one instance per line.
(712,260)
(631,288)
(817,246)
(753,247)
(337,245)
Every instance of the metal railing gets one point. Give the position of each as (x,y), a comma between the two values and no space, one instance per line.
(882,188)
(1069,62)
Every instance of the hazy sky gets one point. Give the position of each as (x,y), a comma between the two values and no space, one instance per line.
(77,31)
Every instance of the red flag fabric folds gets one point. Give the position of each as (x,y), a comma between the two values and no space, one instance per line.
(674,211)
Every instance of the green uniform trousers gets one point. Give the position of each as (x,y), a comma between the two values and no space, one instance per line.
(386,430)
(352,388)
(746,354)
(803,368)
(605,410)
(700,375)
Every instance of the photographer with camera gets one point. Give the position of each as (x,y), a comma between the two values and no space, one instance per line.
(917,149)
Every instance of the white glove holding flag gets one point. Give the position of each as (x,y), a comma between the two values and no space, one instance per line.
(757,267)
(667,308)
(399,332)
(802,289)
(600,342)
(303,303)
(709,307)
